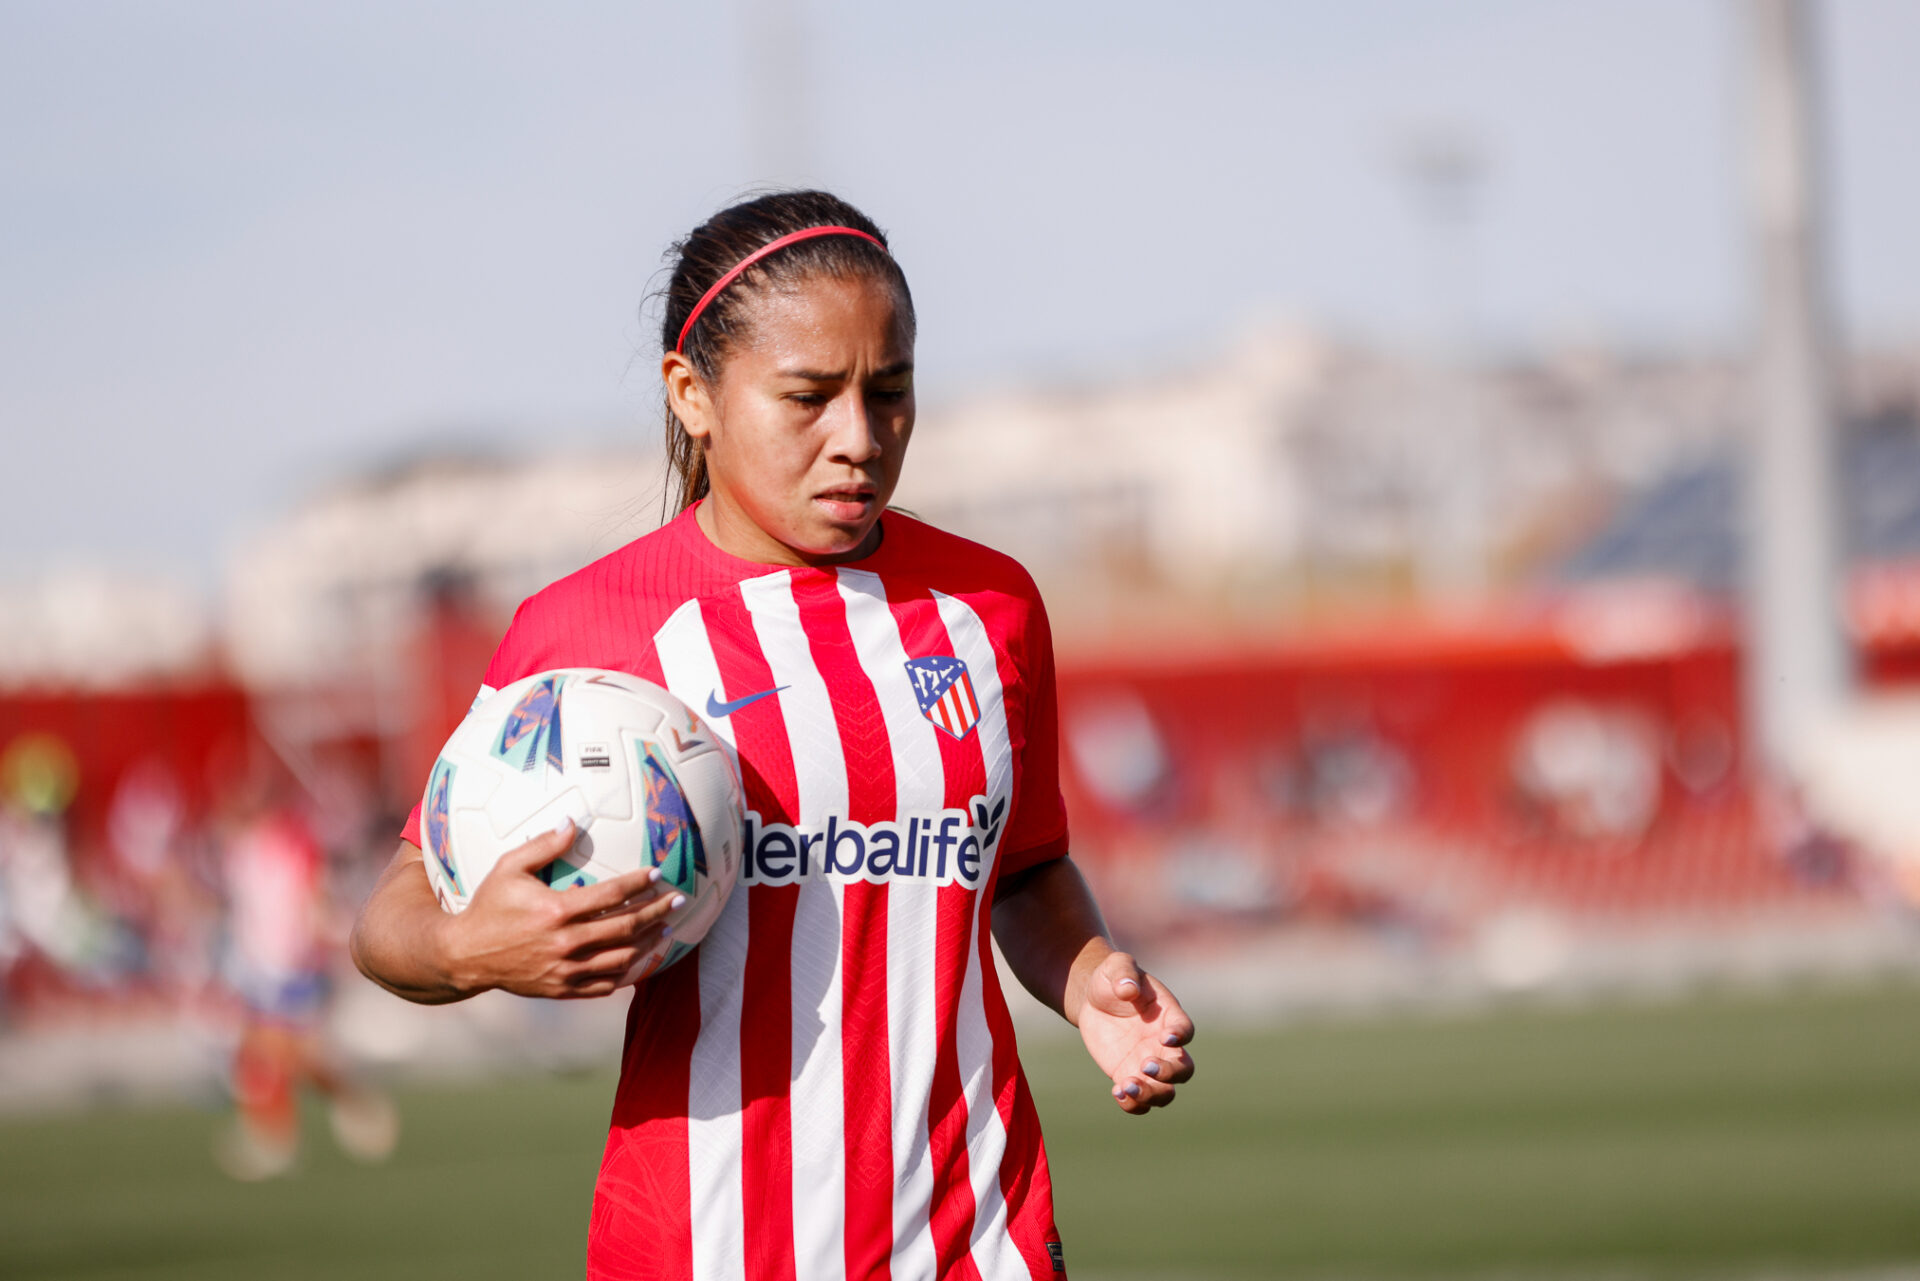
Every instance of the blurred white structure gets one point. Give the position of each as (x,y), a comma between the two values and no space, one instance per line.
(1230,486)
(1182,470)
(1295,459)
(96,629)
(338,586)
(1799,674)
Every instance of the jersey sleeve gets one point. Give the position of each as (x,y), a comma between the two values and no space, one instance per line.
(515,657)
(1037,828)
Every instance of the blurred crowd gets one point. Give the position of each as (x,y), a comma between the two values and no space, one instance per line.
(1421,790)
(178,899)
(1393,777)
(229,907)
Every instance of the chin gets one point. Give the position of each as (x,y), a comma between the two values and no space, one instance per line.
(834,542)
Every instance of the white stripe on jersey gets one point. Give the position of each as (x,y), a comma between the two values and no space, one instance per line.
(912,923)
(816,1101)
(993,1249)
(714,1134)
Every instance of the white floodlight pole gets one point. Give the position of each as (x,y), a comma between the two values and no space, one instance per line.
(1447,460)
(1798,668)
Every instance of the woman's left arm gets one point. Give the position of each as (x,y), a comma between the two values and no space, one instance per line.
(1050,930)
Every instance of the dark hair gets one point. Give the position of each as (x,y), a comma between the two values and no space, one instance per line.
(715,247)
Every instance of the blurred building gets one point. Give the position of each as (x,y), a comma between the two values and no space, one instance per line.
(1295,465)
(1297,462)
(95,629)
(337,588)
(1188,472)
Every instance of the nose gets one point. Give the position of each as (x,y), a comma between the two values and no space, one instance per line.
(854,440)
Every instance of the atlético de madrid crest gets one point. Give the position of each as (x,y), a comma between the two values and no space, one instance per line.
(945,691)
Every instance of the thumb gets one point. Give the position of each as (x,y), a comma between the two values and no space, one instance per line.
(1118,986)
(539,851)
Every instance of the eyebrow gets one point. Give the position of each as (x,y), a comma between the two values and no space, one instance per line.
(816,376)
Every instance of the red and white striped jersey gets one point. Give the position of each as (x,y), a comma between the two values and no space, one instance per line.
(828,1086)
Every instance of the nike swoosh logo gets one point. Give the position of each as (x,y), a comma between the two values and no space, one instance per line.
(717,708)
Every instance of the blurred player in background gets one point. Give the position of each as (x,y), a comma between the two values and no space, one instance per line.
(828,1085)
(281,928)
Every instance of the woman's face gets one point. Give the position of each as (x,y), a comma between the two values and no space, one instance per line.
(805,430)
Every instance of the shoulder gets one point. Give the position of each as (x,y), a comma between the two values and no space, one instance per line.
(605,607)
(956,565)
(994,586)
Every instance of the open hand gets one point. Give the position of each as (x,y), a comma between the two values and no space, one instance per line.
(519,935)
(1135,1030)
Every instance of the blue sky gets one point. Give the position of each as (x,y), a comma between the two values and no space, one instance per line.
(248,248)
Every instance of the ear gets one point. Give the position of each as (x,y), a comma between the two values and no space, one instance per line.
(687,395)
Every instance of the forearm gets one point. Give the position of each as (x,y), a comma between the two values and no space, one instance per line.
(398,938)
(1050,930)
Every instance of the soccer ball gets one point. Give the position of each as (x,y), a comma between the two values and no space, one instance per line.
(644,780)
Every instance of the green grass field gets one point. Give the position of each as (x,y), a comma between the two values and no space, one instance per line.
(1735,1136)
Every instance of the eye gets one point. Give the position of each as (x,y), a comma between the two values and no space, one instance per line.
(891,394)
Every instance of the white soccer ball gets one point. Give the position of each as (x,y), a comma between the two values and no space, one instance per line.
(644,780)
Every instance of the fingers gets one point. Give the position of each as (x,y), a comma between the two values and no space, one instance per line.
(1137,1095)
(612,967)
(1162,1061)
(1119,986)
(1152,1086)
(583,902)
(1172,1067)
(1177,1028)
(618,894)
(612,930)
(539,851)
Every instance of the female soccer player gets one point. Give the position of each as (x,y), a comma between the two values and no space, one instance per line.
(828,1085)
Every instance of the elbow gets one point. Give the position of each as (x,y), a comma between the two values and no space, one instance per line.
(360,948)
(357,947)
(395,965)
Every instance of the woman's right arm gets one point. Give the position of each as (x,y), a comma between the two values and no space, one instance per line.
(516,934)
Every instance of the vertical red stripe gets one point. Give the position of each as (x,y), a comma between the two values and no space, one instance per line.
(973,704)
(766,997)
(641,1224)
(867,1100)
(1025,1182)
(766,1056)
(953,1211)
(953,1207)
(866,1080)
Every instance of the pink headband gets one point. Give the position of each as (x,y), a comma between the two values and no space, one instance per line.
(807,233)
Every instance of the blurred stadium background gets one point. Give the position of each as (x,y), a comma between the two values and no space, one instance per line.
(1430,428)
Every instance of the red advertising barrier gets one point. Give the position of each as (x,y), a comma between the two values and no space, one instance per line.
(1429,773)
(197,737)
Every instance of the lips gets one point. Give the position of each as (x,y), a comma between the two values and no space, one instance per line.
(848,503)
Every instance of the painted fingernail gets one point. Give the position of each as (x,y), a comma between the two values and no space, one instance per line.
(1127,988)
(1133,1089)
(560,827)
(1169,1039)
(679,901)
(666,932)
(1120,1094)
(654,873)
(1151,1067)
